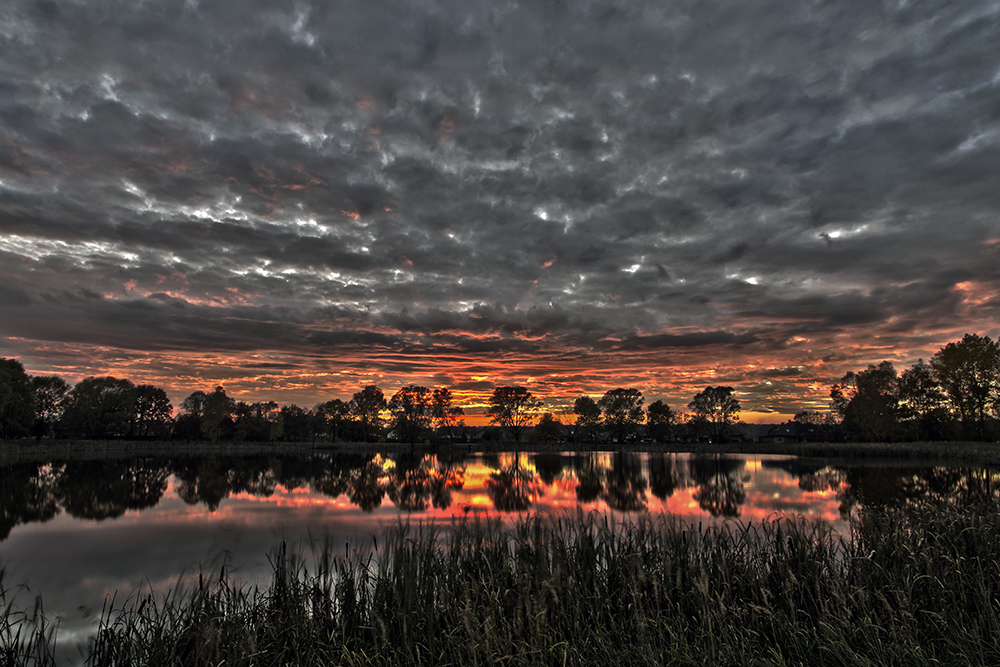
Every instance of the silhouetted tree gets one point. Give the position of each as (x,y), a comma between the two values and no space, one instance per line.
(447,417)
(969,373)
(661,421)
(17,410)
(332,415)
(622,410)
(820,425)
(187,425)
(411,412)
(868,401)
(49,392)
(924,403)
(194,404)
(513,408)
(367,406)
(257,422)
(588,418)
(717,409)
(153,411)
(297,423)
(217,415)
(99,407)
(548,429)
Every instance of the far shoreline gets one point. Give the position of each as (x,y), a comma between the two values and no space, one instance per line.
(32,451)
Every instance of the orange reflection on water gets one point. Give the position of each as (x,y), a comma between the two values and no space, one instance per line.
(426,488)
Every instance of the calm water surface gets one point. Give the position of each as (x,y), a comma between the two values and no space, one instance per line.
(77,532)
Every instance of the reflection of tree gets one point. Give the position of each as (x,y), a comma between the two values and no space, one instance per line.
(252,475)
(548,466)
(589,479)
(824,479)
(27,494)
(720,482)
(625,486)
(622,485)
(333,475)
(664,477)
(295,472)
(105,489)
(446,478)
(409,482)
(897,485)
(202,481)
(513,488)
(366,486)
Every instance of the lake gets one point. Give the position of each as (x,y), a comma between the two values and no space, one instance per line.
(78,531)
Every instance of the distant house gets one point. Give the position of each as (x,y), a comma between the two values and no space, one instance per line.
(793,432)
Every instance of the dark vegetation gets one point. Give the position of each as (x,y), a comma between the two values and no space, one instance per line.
(955,396)
(911,585)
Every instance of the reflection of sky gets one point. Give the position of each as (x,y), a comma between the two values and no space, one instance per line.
(75,563)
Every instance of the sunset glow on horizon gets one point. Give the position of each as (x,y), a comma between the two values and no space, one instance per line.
(296,201)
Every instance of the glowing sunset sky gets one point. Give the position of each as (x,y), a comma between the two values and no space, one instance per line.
(295,199)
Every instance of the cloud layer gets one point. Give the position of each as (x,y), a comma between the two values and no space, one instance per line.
(295,198)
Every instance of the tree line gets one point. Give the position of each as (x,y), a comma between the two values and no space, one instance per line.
(955,395)
(109,408)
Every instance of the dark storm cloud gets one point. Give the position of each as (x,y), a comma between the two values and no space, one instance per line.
(497,176)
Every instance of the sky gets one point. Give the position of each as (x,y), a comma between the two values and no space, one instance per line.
(294,199)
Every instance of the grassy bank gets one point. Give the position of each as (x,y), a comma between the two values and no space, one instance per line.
(21,451)
(909,587)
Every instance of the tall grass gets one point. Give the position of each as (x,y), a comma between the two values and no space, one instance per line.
(910,586)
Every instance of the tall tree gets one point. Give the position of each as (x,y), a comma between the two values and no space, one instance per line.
(411,412)
(332,415)
(194,404)
(17,409)
(100,407)
(367,406)
(49,392)
(969,373)
(622,410)
(924,402)
(257,422)
(187,425)
(717,408)
(153,411)
(548,429)
(513,408)
(217,415)
(588,418)
(447,417)
(297,423)
(869,403)
(661,420)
